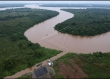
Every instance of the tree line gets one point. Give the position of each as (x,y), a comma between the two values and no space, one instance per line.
(16,52)
(86,22)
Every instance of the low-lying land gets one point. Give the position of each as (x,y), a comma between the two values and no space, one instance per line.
(86,22)
(72,65)
(16,52)
(73,5)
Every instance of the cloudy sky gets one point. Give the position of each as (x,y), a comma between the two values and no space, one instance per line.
(100,2)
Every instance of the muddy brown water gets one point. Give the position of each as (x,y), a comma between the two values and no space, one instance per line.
(44,34)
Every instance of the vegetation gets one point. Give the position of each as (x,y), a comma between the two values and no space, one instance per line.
(24,77)
(74,5)
(96,65)
(16,52)
(86,22)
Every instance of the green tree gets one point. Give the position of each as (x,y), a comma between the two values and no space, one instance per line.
(9,63)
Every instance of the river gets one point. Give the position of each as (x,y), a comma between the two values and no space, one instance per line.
(44,34)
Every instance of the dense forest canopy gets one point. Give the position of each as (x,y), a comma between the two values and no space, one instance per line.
(16,52)
(86,22)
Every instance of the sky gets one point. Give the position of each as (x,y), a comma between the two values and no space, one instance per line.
(100,2)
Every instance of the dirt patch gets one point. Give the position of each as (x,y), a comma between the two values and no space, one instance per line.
(71,70)
(78,61)
(79,73)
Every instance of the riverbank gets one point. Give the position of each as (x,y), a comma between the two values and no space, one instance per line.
(17,53)
(50,38)
(87,22)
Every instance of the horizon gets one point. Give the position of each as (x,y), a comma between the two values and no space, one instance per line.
(75,2)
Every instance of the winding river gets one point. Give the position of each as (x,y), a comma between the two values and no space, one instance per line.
(44,34)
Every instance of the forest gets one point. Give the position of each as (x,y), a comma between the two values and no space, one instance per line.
(86,22)
(74,5)
(16,52)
